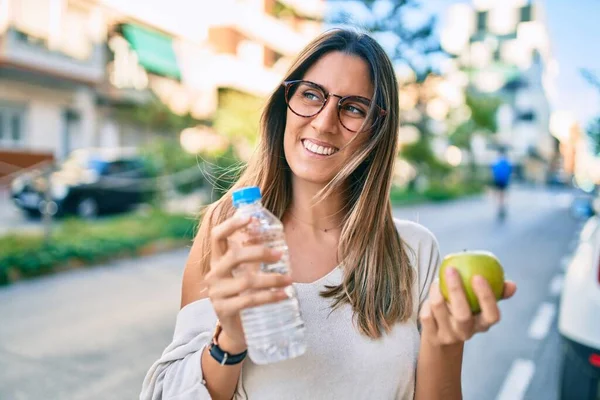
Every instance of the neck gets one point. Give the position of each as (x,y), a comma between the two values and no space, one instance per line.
(324,215)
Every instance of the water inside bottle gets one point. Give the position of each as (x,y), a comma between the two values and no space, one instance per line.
(274,332)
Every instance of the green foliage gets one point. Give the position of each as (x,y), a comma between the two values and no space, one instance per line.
(27,255)
(412,43)
(156,116)
(437,191)
(282,10)
(461,136)
(238,116)
(166,157)
(483,119)
(483,111)
(223,172)
(421,154)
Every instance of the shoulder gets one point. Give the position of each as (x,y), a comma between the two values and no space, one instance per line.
(424,254)
(415,235)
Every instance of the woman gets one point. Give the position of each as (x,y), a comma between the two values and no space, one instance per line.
(324,164)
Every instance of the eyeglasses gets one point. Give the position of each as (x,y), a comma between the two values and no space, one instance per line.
(307,99)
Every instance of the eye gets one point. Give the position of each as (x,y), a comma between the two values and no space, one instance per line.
(354,110)
(311,95)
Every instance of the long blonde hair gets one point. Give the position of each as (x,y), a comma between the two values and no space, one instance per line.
(378,277)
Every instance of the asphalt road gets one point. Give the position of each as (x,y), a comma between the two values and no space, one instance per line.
(93,333)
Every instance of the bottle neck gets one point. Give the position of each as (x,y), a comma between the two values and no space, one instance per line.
(250,206)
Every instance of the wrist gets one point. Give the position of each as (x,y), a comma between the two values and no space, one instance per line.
(231,346)
(433,341)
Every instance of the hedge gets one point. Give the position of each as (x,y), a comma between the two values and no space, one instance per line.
(77,242)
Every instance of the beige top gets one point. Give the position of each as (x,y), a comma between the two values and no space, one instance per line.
(339,363)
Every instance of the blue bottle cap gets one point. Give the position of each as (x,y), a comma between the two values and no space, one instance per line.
(246,195)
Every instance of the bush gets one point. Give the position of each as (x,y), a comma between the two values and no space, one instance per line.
(436,192)
(82,242)
(164,157)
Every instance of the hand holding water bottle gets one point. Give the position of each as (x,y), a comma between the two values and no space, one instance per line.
(230,294)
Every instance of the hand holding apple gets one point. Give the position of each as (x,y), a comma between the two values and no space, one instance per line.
(469,264)
(464,302)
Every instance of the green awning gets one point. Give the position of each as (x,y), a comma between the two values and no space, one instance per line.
(154,49)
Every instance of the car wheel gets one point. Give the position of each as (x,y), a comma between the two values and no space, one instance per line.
(32,214)
(575,380)
(87,208)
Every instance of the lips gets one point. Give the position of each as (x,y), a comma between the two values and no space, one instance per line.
(320,148)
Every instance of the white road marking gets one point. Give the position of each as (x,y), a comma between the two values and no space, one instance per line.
(556,285)
(541,322)
(517,380)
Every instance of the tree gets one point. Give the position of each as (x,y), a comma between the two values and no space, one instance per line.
(156,116)
(238,115)
(408,43)
(483,120)
(394,21)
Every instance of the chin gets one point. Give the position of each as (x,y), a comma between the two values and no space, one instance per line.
(317,171)
(313,174)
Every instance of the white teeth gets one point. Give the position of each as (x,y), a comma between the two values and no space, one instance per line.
(314,148)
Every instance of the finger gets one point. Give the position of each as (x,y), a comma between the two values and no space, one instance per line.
(234,286)
(427,320)
(247,254)
(220,233)
(510,288)
(462,317)
(441,314)
(233,305)
(490,313)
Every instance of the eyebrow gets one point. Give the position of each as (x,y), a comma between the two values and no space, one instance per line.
(370,100)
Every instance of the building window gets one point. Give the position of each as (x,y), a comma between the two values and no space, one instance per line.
(11,126)
(526,13)
(482,21)
(526,116)
(15,128)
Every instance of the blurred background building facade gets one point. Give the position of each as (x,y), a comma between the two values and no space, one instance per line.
(69,67)
(502,49)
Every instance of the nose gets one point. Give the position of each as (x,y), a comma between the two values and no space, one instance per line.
(327,120)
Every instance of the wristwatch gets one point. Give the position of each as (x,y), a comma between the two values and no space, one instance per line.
(220,355)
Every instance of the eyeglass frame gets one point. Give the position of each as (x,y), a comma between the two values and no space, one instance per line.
(288,84)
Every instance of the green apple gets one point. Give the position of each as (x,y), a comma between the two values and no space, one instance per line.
(471,263)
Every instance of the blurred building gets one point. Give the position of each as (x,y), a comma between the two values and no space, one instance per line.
(68,66)
(185,52)
(502,48)
(51,59)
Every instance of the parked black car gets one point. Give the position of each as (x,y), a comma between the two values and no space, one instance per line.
(87,183)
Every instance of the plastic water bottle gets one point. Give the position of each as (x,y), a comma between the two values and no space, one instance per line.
(275,331)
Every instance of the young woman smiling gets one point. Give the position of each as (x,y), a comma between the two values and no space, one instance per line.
(377,324)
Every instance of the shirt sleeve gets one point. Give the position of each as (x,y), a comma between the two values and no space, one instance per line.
(177,374)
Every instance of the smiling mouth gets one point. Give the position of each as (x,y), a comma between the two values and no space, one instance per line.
(317,149)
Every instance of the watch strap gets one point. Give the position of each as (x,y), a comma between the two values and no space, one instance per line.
(220,355)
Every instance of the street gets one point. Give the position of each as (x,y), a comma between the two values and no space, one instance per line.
(93,333)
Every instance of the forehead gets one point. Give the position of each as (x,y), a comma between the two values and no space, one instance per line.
(342,74)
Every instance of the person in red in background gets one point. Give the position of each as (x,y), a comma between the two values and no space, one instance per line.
(501,172)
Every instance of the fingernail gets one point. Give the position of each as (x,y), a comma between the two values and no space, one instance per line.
(244,218)
(479,281)
(452,276)
(276,253)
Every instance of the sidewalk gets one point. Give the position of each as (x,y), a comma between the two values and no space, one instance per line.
(12,219)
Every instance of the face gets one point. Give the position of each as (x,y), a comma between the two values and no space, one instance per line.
(316,148)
